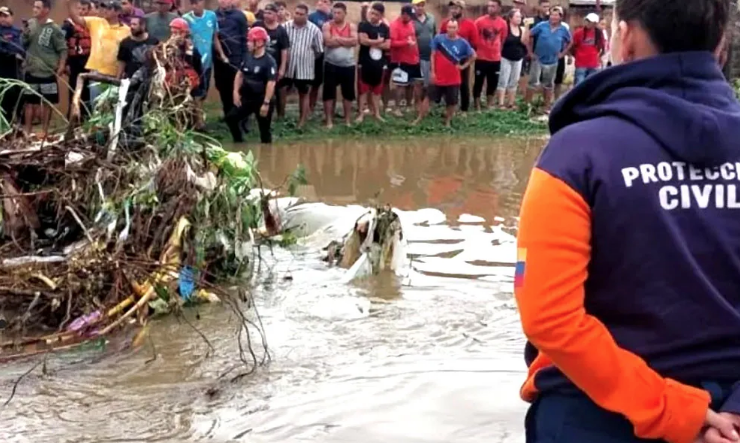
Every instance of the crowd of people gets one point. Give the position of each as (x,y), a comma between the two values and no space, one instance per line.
(307,52)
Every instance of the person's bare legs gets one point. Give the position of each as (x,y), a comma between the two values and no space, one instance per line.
(329,113)
(422,111)
(500,97)
(528,95)
(511,98)
(314,98)
(304,107)
(449,113)
(347,107)
(28,115)
(400,92)
(361,100)
(548,94)
(45,119)
(490,101)
(375,106)
(418,91)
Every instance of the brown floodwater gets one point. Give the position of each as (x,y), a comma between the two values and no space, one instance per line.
(432,357)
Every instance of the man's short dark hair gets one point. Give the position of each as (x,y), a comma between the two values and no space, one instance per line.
(272,7)
(696,25)
(377,6)
(340,5)
(498,2)
(408,10)
(302,6)
(281,3)
(85,2)
(45,3)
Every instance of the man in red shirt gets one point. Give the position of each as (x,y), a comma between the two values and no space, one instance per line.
(451,55)
(588,46)
(492,31)
(405,62)
(467,31)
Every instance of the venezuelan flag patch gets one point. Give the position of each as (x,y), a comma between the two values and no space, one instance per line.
(521,262)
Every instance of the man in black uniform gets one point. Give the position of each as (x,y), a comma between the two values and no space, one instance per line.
(254,87)
(277,49)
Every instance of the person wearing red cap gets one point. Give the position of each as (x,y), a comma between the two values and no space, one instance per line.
(254,88)
(158,22)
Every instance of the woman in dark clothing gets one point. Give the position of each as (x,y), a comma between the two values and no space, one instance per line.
(254,88)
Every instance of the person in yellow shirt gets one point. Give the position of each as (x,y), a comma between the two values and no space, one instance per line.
(106,34)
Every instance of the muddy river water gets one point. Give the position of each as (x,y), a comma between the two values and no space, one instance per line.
(434,357)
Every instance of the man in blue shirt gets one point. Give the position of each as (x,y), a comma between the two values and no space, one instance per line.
(321,15)
(552,41)
(204,32)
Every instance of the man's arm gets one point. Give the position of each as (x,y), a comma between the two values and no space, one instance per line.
(236,96)
(470,60)
(329,40)
(396,40)
(60,45)
(350,41)
(554,251)
(219,49)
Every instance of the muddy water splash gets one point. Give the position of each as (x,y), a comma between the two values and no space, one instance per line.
(435,357)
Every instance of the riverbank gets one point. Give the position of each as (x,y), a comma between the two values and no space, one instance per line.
(485,123)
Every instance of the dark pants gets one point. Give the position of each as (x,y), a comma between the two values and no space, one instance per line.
(486,71)
(465,90)
(560,418)
(236,116)
(223,78)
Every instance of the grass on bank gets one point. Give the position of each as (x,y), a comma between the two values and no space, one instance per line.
(491,122)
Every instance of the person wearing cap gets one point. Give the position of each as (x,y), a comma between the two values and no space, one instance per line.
(278,47)
(492,32)
(451,54)
(46,59)
(78,53)
(232,35)
(549,42)
(11,61)
(426,28)
(106,34)
(158,22)
(405,66)
(468,31)
(374,41)
(128,11)
(588,46)
(254,88)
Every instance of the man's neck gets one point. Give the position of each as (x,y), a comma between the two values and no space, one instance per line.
(141,37)
(493,16)
(41,20)
(258,52)
(114,21)
(340,24)
(272,25)
(421,16)
(199,14)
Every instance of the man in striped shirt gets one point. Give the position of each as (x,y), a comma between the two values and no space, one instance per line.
(306,45)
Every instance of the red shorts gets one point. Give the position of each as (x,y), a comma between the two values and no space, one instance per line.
(364,88)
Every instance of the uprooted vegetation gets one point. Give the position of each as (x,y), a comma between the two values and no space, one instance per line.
(101,227)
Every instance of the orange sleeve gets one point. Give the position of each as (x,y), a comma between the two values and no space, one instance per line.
(554,249)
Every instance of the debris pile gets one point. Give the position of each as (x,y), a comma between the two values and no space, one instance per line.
(94,236)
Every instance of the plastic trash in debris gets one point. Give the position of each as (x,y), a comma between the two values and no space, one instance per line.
(187,282)
(84,321)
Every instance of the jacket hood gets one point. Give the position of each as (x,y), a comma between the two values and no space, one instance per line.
(681,100)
